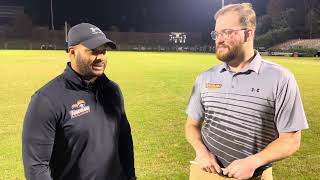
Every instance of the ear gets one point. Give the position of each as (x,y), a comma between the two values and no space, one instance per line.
(249,35)
(71,52)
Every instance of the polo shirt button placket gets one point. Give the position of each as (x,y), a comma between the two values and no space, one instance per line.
(233,80)
(228,90)
(229,83)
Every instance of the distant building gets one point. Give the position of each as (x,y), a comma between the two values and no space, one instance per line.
(8,13)
(9,9)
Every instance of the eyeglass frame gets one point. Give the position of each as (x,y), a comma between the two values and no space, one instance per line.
(224,34)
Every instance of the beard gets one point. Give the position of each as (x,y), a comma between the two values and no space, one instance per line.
(86,70)
(231,54)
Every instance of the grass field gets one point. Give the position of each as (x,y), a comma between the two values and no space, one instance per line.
(156,87)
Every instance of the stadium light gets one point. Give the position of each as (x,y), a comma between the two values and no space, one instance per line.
(66,31)
(51,7)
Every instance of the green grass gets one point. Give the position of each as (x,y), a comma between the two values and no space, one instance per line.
(156,87)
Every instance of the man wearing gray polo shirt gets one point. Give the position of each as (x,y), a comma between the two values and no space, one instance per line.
(245,113)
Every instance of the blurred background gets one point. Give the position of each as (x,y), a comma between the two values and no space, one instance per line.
(284,27)
(156,84)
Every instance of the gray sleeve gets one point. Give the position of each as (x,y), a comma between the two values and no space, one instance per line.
(289,112)
(38,138)
(195,107)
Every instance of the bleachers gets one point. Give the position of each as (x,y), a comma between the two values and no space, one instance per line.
(299,43)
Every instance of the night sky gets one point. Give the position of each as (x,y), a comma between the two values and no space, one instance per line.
(132,15)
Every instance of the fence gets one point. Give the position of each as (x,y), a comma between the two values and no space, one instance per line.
(42,38)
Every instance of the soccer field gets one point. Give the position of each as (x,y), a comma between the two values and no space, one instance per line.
(156,87)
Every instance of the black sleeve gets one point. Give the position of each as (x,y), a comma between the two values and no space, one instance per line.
(38,138)
(126,144)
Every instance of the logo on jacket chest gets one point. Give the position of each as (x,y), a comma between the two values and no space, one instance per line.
(79,109)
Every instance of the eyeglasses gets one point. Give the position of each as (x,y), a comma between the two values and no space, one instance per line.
(225,33)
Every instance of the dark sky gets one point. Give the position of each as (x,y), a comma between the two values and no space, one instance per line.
(132,15)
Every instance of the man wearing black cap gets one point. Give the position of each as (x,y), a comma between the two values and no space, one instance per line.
(76,127)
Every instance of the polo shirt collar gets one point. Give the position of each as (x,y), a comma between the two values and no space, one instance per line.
(255,64)
(223,67)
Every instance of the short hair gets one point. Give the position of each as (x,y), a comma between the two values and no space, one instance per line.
(246,13)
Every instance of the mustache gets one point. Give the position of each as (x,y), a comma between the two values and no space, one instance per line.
(222,46)
(97,61)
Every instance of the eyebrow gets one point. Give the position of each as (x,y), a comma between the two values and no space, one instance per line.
(88,50)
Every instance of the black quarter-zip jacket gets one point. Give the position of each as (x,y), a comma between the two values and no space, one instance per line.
(74,130)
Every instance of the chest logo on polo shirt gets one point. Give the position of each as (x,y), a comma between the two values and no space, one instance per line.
(255,90)
(213,86)
(79,109)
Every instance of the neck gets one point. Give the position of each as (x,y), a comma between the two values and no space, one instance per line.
(92,80)
(242,61)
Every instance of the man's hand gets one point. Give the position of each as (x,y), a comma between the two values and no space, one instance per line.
(207,161)
(242,168)
(204,158)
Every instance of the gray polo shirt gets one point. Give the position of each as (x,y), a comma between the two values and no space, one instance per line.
(243,112)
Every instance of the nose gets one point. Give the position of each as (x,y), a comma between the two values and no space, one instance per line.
(101,56)
(219,40)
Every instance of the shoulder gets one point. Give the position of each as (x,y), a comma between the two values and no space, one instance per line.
(51,88)
(110,86)
(110,95)
(113,85)
(275,70)
(45,98)
(209,73)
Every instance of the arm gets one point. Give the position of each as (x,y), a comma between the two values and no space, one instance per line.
(286,145)
(281,148)
(38,138)
(126,145)
(195,110)
(206,160)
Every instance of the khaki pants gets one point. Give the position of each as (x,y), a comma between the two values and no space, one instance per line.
(196,173)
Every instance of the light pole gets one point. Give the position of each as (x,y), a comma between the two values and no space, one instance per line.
(51,7)
(222,3)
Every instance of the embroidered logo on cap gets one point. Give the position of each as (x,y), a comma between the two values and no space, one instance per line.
(79,109)
(95,30)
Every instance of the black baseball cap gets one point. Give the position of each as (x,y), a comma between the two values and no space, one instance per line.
(89,36)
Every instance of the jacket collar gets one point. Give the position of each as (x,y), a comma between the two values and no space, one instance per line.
(78,82)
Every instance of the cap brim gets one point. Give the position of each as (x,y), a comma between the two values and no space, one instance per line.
(98,41)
